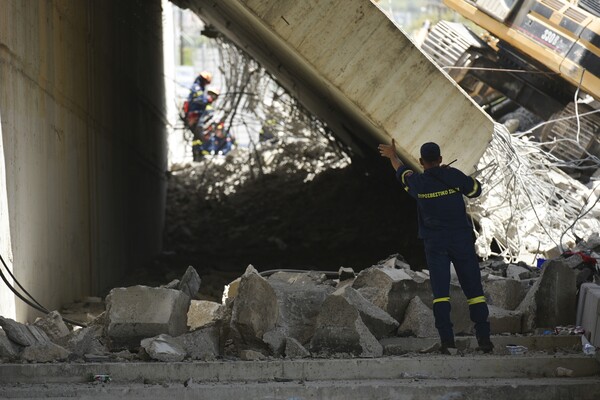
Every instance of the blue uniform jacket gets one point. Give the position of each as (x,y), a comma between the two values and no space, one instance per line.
(439,193)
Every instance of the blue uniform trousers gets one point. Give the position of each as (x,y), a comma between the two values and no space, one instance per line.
(441,248)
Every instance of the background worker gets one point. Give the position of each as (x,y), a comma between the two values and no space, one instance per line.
(197,101)
(198,97)
(447,234)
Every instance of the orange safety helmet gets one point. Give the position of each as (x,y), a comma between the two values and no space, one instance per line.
(207,76)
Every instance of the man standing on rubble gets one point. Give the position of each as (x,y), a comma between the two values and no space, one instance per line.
(447,235)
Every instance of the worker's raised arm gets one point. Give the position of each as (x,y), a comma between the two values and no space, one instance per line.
(389,151)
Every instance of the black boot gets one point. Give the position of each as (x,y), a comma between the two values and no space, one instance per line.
(485,345)
(446,345)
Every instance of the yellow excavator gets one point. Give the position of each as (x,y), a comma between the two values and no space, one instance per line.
(542,55)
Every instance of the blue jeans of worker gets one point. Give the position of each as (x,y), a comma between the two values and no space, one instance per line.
(457,247)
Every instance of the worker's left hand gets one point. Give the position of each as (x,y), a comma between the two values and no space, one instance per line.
(387,150)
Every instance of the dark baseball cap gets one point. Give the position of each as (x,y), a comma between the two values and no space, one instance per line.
(430,151)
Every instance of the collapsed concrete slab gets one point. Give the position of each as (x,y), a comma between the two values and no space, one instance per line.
(391,289)
(140,312)
(164,348)
(418,320)
(341,331)
(551,300)
(504,293)
(255,309)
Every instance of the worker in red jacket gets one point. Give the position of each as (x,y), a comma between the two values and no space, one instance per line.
(446,231)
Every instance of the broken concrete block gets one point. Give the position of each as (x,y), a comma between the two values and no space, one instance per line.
(380,323)
(517,272)
(251,355)
(163,348)
(504,293)
(44,352)
(140,312)
(275,339)
(255,308)
(299,298)
(294,349)
(24,335)
(202,313)
(391,289)
(53,325)
(504,321)
(418,320)
(87,341)
(551,300)
(230,291)
(394,261)
(340,330)
(174,284)
(190,282)
(592,242)
(8,349)
(202,344)
(345,274)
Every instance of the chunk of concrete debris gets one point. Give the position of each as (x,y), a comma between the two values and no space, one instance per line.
(418,320)
(53,325)
(190,282)
(294,349)
(164,348)
(21,334)
(251,355)
(202,313)
(276,340)
(8,349)
(202,344)
(551,301)
(44,352)
(504,321)
(230,291)
(517,272)
(341,330)
(88,340)
(299,299)
(139,312)
(255,309)
(174,284)
(345,274)
(504,293)
(380,323)
(391,289)
(394,261)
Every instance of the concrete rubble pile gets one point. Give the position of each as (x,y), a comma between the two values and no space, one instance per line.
(298,314)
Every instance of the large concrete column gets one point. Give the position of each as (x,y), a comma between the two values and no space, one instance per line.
(82,105)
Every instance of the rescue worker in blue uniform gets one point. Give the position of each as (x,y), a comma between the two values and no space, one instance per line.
(447,235)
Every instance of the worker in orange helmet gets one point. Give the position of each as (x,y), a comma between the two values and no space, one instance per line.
(195,106)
